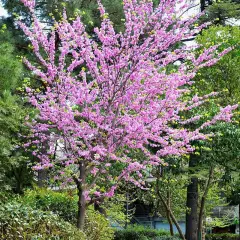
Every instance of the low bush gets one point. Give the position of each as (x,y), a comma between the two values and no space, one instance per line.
(138,232)
(97,227)
(18,221)
(168,238)
(64,205)
(222,236)
(5,196)
(61,203)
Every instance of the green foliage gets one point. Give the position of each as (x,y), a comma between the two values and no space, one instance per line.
(224,156)
(63,204)
(167,238)
(224,76)
(222,151)
(14,172)
(53,210)
(6,197)
(138,232)
(222,12)
(87,9)
(18,221)
(222,236)
(172,188)
(116,211)
(224,147)
(97,227)
(10,68)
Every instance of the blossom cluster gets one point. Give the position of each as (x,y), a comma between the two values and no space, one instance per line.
(110,93)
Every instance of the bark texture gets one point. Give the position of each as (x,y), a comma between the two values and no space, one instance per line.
(203,200)
(168,213)
(81,199)
(168,208)
(192,203)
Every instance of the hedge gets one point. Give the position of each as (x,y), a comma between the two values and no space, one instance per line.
(223,236)
(138,232)
(18,221)
(97,227)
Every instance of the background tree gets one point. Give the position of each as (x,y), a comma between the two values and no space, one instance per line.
(213,169)
(223,78)
(220,12)
(15,174)
(167,193)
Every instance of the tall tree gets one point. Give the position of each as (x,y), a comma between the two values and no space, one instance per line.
(220,12)
(223,78)
(13,160)
(121,98)
(47,9)
(192,202)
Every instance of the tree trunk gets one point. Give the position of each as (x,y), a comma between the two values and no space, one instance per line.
(170,223)
(42,175)
(204,230)
(239,219)
(81,198)
(168,209)
(203,200)
(99,208)
(192,203)
(172,216)
(127,208)
(168,214)
(202,5)
(42,178)
(19,187)
(81,210)
(18,175)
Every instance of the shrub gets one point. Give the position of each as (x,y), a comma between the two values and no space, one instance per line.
(97,227)
(168,238)
(222,236)
(61,203)
(5,196)
(138,232)
(19,221)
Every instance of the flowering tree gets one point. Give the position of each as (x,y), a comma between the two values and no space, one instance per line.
(112,92)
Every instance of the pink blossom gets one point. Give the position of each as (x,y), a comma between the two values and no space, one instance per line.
(86,195)
(130,102)
(97,194)
(110,193)
(94,171)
